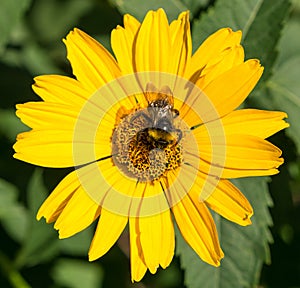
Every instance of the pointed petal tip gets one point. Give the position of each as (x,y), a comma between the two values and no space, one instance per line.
(138,274)
(96,252)
(18,107)
(280,160)
(184,14)
(92,256)
(276,171)
(129,20)
(137,278)
(160,10)
(164,265)
(218,257)
(62,234)
(126,17)
(39,215)
(41,77)
(282,115)
(221,256)
(153,269)
(253,63)
(167,263)
(230,31)
(72,33)
(246,221)
(237,35)
(76,31)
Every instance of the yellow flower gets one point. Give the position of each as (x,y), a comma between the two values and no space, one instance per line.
(151,132)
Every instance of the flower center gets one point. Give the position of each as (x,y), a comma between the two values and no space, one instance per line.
(146,148)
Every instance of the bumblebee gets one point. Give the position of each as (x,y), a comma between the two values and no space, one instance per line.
(159,116)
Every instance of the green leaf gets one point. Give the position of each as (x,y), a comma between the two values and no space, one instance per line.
(264,33)
(13,215)
(284,95)
(235,14)
(38,61)
(260,20)
(282,91)
(139,8)
(77,274)
(52,19)
(78,245)
(40,243)
(245,248)
(11,12)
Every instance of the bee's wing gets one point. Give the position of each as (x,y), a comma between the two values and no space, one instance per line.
(166,93)
(151,93)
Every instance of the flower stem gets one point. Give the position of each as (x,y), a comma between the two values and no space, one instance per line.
(14,277)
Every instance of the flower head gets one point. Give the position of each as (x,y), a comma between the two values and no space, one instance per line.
(152,132)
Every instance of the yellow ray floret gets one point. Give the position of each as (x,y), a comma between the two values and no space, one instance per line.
(154,134)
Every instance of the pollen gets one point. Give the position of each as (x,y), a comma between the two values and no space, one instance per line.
(144,152)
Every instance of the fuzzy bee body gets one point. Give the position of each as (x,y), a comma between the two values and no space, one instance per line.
(160,114)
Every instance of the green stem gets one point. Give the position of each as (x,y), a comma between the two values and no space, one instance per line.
(13,276)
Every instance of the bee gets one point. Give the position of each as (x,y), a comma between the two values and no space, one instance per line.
(159,116)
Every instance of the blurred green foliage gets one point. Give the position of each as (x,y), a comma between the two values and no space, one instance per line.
(31,254)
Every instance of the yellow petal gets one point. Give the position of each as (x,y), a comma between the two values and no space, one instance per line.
(229,58)
(260,123)
(122,41)
(181,43)
(153,43)
(80,211)
(198,228)
(61,89)
(157,240)
(221,95)
(231,88)
(42,115)
(251,152)
(47,148)
(131,24)
(238,156)
(120,199)
(211,47)
(109,229)
(228,201)
(254,122)
(92,64)
(137,261)
(58,199)
(219,194)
